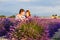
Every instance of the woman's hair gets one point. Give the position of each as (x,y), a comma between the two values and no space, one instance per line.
(21,10)
(28,12)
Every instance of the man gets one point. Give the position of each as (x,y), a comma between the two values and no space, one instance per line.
(21,14)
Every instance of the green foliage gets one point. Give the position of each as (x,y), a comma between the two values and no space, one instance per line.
(13,16)
(30,29)
(58,16)
(56,38)
(2,16)
(54,15)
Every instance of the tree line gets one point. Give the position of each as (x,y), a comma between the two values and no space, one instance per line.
(3,16)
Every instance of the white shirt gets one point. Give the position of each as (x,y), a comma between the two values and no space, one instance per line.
(18,17)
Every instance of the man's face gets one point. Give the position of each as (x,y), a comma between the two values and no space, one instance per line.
(23,13)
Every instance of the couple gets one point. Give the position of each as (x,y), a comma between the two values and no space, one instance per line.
(23,15)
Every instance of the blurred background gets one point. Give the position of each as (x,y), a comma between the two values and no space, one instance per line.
(37,7)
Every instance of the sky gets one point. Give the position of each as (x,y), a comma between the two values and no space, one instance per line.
(36,7)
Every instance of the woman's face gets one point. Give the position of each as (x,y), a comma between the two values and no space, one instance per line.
(27,14)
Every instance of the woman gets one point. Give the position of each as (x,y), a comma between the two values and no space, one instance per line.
(28,15)
(20,16)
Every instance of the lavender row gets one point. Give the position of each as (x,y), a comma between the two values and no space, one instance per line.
(50,26)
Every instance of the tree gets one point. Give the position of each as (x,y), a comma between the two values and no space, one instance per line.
(13,16)
(2,16)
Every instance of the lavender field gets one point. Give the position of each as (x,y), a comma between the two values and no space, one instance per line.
(33,29)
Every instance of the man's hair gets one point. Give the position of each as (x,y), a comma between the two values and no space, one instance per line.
(21,10)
